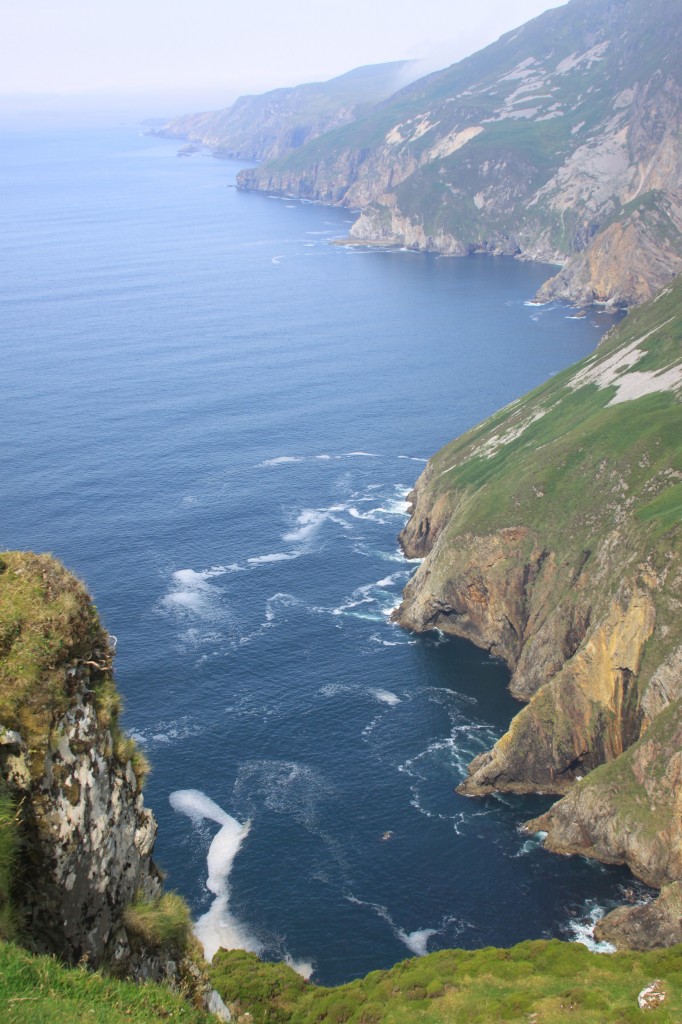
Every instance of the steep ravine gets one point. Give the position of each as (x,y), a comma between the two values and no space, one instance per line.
(551,537)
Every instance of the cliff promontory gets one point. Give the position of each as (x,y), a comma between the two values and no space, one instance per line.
(77,877)
(551,535)
(561,142)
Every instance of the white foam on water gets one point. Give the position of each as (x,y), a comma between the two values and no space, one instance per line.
(581,928)
(277,260)
(416,941)
(412,458)
(281,460)
(371,514)
(333,689)
(386,697)
(192,594)
(323,457)
(218,927)
(302,967)
(276,556)
(376,638)
(310,520)
(376,594)
(533,842)
(366,455)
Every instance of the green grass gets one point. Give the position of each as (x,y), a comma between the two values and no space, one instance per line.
(48,628)
(9,849)
(584,456)
(556,981)
(39,990)
(164,923)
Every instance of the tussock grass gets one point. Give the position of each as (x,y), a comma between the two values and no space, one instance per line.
(159,924)
(39,990)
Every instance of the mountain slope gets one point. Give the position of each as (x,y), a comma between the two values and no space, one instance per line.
(270,125)
(533,146)
(552,536)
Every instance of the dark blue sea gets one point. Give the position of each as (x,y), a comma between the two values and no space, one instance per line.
(213,416)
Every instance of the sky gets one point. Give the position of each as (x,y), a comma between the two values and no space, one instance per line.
(191,54)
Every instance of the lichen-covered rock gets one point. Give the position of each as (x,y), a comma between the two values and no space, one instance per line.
(628,811)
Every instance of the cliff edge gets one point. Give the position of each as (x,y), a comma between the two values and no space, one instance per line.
(84,885)
(551,536)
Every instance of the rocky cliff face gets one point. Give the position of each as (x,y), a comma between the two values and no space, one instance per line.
(86,835)
(560,143)
(551,537)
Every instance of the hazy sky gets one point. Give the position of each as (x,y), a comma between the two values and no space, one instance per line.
(215,49)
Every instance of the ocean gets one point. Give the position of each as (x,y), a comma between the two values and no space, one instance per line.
(213,416)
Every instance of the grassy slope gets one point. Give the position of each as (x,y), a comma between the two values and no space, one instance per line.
(582,469)
(555,981)
(39,990)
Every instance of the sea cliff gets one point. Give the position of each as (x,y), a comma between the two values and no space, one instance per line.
(559,143)
(551,537)
(82,883)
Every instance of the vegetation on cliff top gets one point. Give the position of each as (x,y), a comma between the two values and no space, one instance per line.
(549,982)
(542,981)
(39,990)
(50,634)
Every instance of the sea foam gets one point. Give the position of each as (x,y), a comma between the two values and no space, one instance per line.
(218,927)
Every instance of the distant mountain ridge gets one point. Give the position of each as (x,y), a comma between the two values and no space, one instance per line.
(270,125)
(561,142)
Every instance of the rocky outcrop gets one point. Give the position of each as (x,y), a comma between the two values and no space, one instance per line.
(86,836)
(652,925)
(628,811)
(550,536)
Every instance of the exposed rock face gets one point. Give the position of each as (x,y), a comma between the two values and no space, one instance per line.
(551,537)
(629,811)
(650,926)
(87,836)
(560,143)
